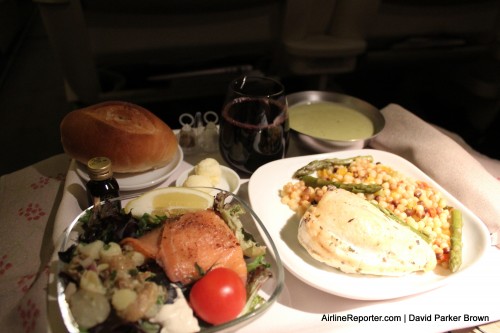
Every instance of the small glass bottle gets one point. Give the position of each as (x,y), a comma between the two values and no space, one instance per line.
(101,186)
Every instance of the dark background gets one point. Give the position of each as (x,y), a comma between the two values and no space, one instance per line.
(451,80)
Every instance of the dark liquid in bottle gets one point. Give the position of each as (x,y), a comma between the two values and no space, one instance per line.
(101,190)
(253,132)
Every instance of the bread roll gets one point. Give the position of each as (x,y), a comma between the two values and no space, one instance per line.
(132,137)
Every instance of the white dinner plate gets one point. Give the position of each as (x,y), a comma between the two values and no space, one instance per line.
(140,180)
(282,224)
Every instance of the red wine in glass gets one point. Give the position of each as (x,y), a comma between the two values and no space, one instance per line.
(253,132)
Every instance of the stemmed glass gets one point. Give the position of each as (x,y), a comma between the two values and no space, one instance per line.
(254,128)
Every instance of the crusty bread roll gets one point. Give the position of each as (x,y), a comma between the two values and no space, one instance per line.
(132,137)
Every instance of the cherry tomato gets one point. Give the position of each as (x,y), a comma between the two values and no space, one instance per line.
(219,296)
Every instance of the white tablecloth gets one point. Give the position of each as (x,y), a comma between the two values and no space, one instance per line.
(38,202)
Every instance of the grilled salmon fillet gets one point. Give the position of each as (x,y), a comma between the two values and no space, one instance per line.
(148,244)
(199,240)
(347,232)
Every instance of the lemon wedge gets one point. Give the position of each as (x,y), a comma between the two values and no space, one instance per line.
(169,201)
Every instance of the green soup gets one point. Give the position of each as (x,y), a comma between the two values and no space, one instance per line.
(330,121)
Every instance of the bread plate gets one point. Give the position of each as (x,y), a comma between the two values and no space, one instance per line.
(282,224)
(140,180)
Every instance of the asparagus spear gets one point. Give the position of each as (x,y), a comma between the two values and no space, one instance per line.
(322,164)
(394,217)
(456,240)
(356,188)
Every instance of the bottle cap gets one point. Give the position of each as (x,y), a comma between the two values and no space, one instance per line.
(99,168)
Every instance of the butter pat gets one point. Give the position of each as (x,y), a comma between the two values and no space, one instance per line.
(197,181)
(210,168)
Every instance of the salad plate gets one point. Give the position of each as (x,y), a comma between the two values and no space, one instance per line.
(267,292)
(140,180)
(282,223)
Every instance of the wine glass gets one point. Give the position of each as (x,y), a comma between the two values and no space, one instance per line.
(254,128)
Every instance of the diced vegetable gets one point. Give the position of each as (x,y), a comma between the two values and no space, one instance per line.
(323,164)
(91,250)
(122,298)
(90,281)
(88,308)
(110,250)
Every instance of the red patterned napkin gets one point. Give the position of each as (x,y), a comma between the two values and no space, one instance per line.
(469,176)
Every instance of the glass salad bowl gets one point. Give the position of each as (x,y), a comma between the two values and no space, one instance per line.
(268,291)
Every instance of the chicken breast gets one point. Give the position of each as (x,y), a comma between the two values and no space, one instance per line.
(347,232)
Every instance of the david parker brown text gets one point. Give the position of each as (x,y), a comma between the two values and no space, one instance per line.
(404,318)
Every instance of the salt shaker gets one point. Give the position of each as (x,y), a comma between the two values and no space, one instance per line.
(187,135)
(210,142)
